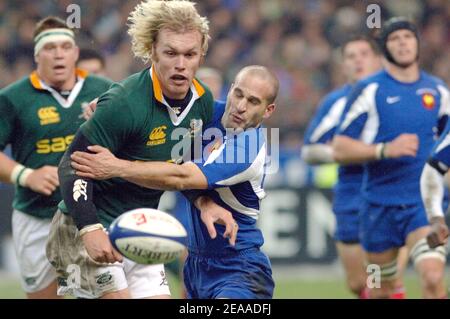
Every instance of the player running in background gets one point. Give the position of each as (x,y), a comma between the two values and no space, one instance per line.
(390,126)
(135,119)
(232,174)
(39,116)
(92,61)
(360,58)
(432,186)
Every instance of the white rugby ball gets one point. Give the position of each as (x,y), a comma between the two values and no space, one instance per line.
(148,236)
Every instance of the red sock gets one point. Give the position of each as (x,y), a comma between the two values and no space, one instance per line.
(399,293)
(364,294)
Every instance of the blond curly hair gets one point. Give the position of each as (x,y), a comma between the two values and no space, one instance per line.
(150,16)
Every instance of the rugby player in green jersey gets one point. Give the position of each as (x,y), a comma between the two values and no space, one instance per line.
(39,116)
(137,120)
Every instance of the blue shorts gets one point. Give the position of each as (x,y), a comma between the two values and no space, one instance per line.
(386,227)
(347,226)
(181,209)
(244,275)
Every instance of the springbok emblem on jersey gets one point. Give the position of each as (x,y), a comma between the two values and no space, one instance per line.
(79,189)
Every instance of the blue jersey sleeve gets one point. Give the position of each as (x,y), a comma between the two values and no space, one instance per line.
(241,158)
(317,133)
(219,109)
(356,110)
(324,123)
(440,154)
(444,110)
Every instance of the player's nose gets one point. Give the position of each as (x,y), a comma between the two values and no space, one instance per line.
(180,62)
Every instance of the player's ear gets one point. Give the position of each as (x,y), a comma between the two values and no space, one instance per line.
(153,55)
(202,58)
(77,53)
(269,110)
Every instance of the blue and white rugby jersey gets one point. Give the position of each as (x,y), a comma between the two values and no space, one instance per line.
(440,155)
(380,108)
(321,130)
(235,175)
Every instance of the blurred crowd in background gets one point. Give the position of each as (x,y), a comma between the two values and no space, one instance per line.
(298,39)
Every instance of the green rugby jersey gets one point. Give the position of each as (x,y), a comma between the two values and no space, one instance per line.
(134,121)
(39,124)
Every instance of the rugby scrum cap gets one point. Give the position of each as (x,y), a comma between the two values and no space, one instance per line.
(392,25)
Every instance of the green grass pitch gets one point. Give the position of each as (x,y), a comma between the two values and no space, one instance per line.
(285,288)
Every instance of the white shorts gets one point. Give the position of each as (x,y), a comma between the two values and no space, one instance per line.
(30,237)
(82,277)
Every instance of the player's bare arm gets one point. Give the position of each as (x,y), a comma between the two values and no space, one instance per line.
(158,175)
(351,151)
(317,154)
(43,180)
(102,164)
(432,191)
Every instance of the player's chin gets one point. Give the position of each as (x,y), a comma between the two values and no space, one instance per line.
(59,77)
(235,126)
(180,90)
(406,61)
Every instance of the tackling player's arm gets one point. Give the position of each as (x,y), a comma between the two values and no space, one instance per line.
(102,164)
(157,175)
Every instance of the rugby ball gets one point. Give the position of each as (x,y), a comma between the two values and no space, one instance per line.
(148,236)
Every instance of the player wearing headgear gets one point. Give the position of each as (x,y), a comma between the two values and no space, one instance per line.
(433,190)
(360,58)
(39,116)
(390,126)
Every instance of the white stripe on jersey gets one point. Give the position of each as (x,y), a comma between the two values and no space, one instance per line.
(253,172)
(228,198)
(445,101)
(254,175)
(365,103)
(445,142)
(214,154)
(330,120)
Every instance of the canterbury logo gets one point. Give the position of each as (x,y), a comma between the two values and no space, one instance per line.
(157,136)
(79,189)
(158,133)
(48,115)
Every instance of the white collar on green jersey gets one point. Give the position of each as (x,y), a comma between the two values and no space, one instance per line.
(38,84)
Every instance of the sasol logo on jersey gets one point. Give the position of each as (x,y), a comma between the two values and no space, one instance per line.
(54,145)
(48,115)
(157,136)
